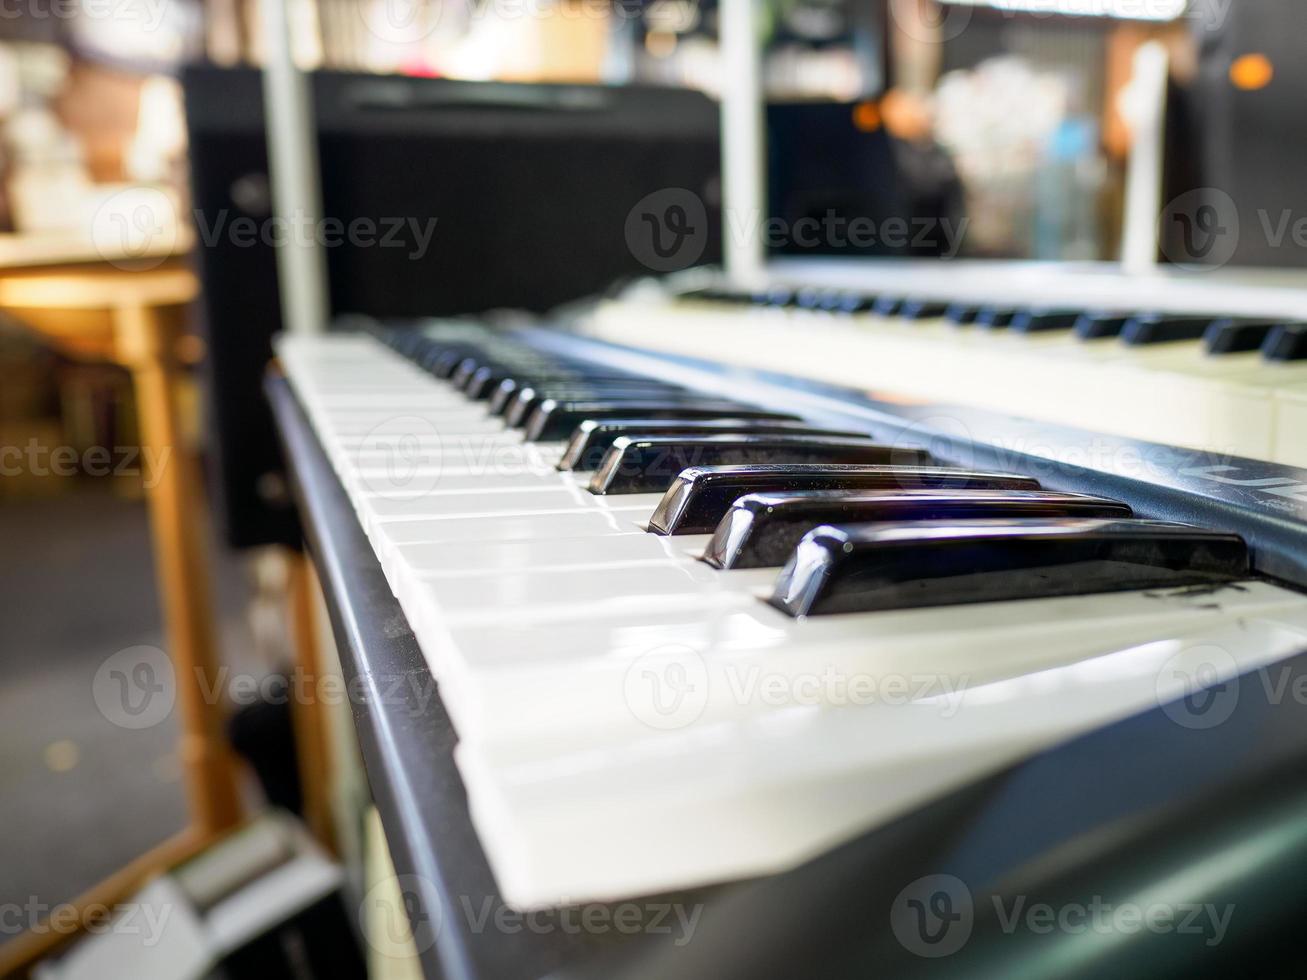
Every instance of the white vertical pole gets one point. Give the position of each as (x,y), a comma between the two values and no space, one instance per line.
(744,161)
(296,186)
(1146,112)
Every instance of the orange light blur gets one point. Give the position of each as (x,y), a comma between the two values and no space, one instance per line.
(1252,72)
(866,117)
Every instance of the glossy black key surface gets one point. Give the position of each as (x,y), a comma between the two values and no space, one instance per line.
(488,377)
(963,313)
(1158,328)
(811,298)
(593,438)
(922,309)
(649,465)
(700,498)
(465,370)
(501,400)
(479,382)
(1231,336)
(850,302)
(887,305)
(529,397)
(779,296)
(871,567)
(763,529)
(444,362)
(1287,342)
(555,420)
(996,317)
(1041,321)
(1095,326)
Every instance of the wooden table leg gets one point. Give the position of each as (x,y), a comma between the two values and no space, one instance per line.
(179,523)
(309,713)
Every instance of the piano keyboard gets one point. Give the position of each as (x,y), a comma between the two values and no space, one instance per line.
(688,634)
(1188,361)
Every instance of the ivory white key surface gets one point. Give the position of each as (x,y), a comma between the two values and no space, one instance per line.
(529,687)
(625,545)
(758,796)
(632,720)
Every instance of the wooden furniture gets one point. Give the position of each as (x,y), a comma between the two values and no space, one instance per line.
(134,318)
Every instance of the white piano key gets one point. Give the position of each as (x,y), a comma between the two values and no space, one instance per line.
(533,687)
(762,795)
(629,542)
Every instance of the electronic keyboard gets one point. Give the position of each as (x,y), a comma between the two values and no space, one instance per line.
(1212,360)
(695,624)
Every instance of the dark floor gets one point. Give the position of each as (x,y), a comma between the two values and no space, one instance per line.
(79,795)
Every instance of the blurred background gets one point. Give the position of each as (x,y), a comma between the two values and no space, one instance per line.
(132,146)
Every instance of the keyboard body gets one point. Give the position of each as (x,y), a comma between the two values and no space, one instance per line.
(632,720)
(1176,393)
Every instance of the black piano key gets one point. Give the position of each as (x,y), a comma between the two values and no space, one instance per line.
(554,420)
(812,298)
(963,313)
(887,305)
(763,529)
(1162,328)
(466,369)
(850,302)
(476,378)
(444,363)
(486,381)
(529,397)
(493,386)
(1042,321)
(922,309)
(871,567)
(700,498)
(649,465)
(1287,342)
(501,401)
(996,317)
(1232,336)
(776,296)
(503,395)
(594,437)
(1095,326)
